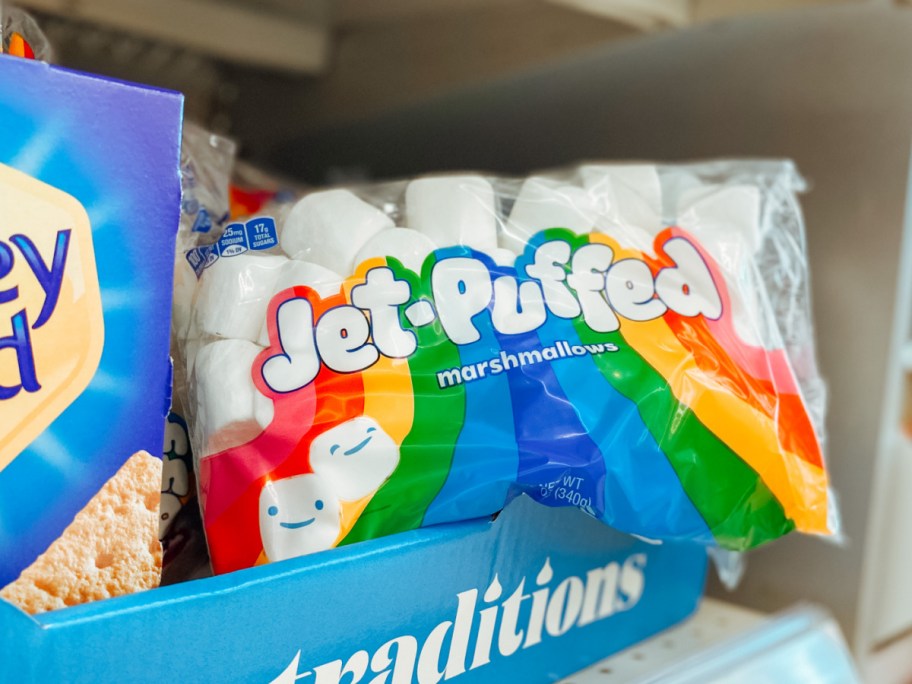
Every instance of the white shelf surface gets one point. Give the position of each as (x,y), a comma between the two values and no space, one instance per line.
(726,644)
(892,604)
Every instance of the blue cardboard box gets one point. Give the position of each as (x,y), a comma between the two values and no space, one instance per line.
(533,596)
(89,210)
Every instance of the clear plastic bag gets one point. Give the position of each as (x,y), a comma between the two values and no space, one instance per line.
(206,165)
(21,36)
(630,339)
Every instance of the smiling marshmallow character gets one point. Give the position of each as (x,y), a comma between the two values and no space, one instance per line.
(303,514)
(168,509)
(357,456)
(298,515)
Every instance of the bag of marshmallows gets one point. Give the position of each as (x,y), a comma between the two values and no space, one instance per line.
(631,340)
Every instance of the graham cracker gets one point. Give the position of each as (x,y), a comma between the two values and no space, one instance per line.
(110,549)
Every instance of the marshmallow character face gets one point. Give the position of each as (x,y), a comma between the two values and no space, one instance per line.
(303,514)
(298,515)
(357,456)
(168,509)
(175,439)
(174,476)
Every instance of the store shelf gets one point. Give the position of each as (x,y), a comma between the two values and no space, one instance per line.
(713,623)
(725,644)
(889,662)
(289,36)
(892,606)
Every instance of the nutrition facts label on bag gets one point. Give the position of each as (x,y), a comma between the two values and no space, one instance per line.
(237,238)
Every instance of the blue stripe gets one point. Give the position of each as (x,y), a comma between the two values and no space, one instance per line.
(641,489)
(485,458)
(554,447)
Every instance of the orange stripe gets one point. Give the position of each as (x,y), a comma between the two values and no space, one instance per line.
(799,485)
(762,376)
(388,392)
(17,45)
(795,431)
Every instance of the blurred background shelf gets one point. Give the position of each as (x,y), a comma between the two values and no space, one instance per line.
(311,65)
(726,644)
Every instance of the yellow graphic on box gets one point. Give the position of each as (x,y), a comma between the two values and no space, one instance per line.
(51,324)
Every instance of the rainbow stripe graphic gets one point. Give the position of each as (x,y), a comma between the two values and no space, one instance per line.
(667,428)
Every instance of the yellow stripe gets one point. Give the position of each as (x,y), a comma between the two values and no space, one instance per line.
(800,487)
(350,511)
(388,399)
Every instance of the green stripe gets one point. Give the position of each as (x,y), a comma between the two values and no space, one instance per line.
(427,451)
(738,507)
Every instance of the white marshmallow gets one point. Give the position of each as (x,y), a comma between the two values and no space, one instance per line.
(298,515)
(544,203)
(725,218)
(356,456)
(631,201)
(407,245)
(676,181)
(453,210)
(231,410)
(502,256)
(168,508)
(234,293)
(176,441)
(324,282)
(328,228)
(726,221)
(293,273)
(175,478)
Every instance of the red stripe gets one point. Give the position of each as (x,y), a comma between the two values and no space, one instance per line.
(720,353)
(238,475)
